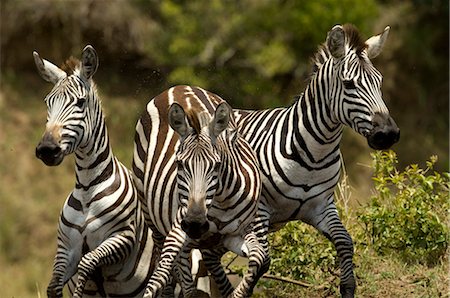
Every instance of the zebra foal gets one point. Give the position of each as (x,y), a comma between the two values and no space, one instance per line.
(201,185)
(104,245)
(298,146)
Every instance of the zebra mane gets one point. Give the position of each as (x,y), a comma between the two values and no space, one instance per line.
(197,120)
(353,40)
(71,65)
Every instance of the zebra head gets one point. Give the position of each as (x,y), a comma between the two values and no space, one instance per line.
(198,163)
(68,106)
(357,84)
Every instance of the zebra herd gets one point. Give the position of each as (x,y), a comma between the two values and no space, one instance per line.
(205,176)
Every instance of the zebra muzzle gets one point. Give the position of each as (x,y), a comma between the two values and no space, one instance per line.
(194,229)
(49,152)
(385,132)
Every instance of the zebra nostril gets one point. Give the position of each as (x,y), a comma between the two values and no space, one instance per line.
(48,150)
(50,153)
(383,139)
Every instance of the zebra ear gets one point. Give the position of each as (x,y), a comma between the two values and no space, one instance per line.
(220,121)
(336,41)
(47,70)
(89,62)
(375,43)
(177,119)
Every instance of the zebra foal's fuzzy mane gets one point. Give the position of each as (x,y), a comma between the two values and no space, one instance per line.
(197,120)
(71,65)
(193,120)
(353,40)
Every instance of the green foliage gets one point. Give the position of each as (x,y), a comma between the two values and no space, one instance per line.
(248,50)
(298,251)
(405,219)
(408,214)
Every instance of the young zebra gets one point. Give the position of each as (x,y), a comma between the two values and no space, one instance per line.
(201,183)
(104,244)
(298,146)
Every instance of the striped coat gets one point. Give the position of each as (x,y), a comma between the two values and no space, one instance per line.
(298,146)
(104,246)
(217,168)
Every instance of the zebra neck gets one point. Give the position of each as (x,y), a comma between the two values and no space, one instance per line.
(95,162)
(316,134)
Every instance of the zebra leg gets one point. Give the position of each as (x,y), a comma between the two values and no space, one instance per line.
(59,278)
(111,251)
(200,274)
(258,262)
(64,267)
(158,243)
(329,223)
(261,230)
(211,258)
(184,274)
(173,244)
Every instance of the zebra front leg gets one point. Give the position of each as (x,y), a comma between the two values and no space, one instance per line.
(331,226)
(64,267)
(211,258)
(258,264)
(183,271)
(55,288)
(173,244)
(109,252)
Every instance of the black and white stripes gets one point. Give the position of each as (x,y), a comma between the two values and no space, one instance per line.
(298,146)
(207,179)
(104,246)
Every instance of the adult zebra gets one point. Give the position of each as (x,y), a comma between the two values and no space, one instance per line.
(298,146)
(104,244)
(201,185)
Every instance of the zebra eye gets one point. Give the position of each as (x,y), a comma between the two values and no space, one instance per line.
(80,102)
(349,84)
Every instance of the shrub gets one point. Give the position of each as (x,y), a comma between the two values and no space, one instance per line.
(407,215)
(298,251)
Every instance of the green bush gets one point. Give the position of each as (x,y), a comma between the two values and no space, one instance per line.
(298,251)
(407,215)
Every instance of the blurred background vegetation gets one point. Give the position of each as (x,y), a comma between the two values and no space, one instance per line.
(254,53)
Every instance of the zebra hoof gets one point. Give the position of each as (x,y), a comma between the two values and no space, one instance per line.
(199,294)
(347,291)
(54,293)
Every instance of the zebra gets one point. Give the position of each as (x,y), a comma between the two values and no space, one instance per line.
(298,146)
(104,246)
(201,185)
